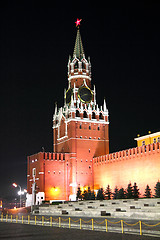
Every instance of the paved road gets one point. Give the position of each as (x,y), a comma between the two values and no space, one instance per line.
(28,232)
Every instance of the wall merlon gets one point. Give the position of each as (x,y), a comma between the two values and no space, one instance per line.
(51,156)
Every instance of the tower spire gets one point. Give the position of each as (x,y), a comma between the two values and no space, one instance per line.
(78,48)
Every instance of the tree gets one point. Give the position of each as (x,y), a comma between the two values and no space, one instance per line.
(157,190)
(100,194)
(89,194)
(121,194)
(92,195)
(85,195)
(108,193)
(135,191)
(147,193)
(115,194)
(79,193)
(129,191)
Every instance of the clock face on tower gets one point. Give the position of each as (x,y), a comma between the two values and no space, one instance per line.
(85,94)
(68,95)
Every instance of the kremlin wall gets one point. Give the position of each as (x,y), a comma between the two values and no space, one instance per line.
(80,156)
(140,165)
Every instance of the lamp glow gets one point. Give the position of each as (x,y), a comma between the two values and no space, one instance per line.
(14,185)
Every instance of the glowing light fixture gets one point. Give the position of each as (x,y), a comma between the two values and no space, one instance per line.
(14,185)
(55,191)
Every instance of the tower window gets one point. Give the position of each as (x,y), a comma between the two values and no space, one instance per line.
(80,126)
(89,127)
(154,140)
(34,172)
(85,114)
(76,65)
(158,139)
(98,128)
(77,113)
(101,116)
(93,115)
(83,65)
(143,143)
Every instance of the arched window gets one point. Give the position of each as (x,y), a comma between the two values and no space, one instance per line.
(77,113)
(83,65)
(101,116)
(143,143)
(85,114)
(93,115)
(76,65)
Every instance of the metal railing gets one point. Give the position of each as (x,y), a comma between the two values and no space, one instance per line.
(91,224)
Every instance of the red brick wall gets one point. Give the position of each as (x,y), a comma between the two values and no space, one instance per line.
(35,161)
(52,174)
(140,165)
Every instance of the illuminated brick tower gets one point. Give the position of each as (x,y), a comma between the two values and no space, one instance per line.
(80,132)
(80,127)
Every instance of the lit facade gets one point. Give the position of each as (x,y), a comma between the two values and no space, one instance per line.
(148,139)
(80,154)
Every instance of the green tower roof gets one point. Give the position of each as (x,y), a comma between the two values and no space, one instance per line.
(78,48)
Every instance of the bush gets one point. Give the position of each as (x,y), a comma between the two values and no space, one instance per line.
(45,202)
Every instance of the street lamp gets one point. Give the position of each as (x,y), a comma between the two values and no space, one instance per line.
(20,192)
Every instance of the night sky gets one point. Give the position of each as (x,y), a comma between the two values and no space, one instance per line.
(35,43)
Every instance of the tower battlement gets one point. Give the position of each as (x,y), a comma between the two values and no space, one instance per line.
(49,156)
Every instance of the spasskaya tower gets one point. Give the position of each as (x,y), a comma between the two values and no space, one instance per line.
(80,156)
(80,127)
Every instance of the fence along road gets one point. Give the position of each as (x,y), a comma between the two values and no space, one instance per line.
(138,227)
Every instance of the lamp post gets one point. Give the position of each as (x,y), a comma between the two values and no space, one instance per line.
(20,192)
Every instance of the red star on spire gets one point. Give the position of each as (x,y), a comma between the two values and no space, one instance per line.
(78,22)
